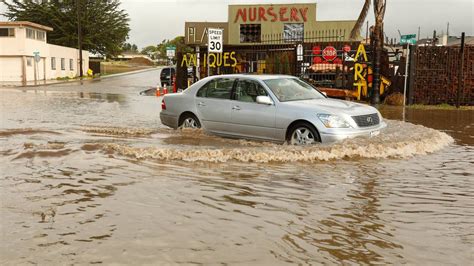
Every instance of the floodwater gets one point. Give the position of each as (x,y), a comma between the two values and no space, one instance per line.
(89,175)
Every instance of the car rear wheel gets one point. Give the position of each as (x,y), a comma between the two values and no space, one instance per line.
(189,121)
(303,134)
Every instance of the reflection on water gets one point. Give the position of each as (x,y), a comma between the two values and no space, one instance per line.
(109,97)
(91,180)
(458,123)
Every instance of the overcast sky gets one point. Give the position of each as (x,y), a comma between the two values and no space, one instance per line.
(152,21)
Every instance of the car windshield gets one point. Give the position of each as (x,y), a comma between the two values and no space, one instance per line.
(292,89)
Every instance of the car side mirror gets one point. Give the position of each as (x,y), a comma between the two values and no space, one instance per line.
(264,100)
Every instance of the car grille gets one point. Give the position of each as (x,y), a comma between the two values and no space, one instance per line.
(367,120)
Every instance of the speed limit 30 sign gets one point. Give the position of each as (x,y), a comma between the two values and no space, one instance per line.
(215,40)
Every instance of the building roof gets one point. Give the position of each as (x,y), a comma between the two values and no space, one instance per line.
(456,41)
(24,24)
(449,41)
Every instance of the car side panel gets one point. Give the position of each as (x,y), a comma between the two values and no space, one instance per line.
(286,115)
(214,114)
(253,120)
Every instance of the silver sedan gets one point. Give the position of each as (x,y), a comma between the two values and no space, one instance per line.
(268,107)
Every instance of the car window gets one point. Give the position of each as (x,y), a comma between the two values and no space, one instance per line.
(220,88)
(248,90)
(292,89)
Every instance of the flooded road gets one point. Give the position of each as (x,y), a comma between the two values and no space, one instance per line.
(89,175)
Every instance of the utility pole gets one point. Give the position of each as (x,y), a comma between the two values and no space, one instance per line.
(79,38)
(407,61)
(375,99)
(461,71)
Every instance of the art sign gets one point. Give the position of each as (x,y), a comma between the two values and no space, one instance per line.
(363,76)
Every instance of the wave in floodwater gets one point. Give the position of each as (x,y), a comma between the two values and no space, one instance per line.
(25,131)
(398,140)
(118,131)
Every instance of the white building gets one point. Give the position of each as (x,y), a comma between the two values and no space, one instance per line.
(20,41)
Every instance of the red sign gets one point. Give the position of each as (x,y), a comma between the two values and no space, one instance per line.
(316,50)
(329,53)
(317,60)
(272,14)
(337,61)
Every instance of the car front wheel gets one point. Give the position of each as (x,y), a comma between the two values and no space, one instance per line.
(303,134)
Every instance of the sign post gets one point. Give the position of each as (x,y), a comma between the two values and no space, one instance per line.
(37,59)
(407,61)
(170,53)
(198,67)
(214,43)
(299,52)
(408,39)
(215,39)
(329,53)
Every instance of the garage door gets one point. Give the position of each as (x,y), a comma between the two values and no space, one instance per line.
(10,69)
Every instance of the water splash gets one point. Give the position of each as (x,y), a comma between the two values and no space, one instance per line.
(118,131)
(399,140)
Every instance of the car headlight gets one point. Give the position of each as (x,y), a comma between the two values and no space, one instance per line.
(333,121)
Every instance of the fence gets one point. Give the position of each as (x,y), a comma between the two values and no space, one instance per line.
(326,59)
(435,75)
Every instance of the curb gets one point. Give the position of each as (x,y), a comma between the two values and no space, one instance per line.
(83,80)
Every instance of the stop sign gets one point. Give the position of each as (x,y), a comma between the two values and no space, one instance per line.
(329,53)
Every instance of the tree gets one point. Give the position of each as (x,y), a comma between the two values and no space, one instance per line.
(360,21)
(151,51)
(128,47)
(178,42)
(104,26)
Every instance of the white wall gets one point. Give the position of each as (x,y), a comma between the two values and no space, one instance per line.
(67,53)
(12,50)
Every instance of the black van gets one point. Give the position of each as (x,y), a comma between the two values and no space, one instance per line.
(165,77)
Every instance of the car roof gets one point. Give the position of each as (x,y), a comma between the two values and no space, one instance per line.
(258,77)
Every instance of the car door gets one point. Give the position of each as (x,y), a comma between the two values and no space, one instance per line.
(213,104)
(250,118)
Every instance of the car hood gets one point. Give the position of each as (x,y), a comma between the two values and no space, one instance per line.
(333,106)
